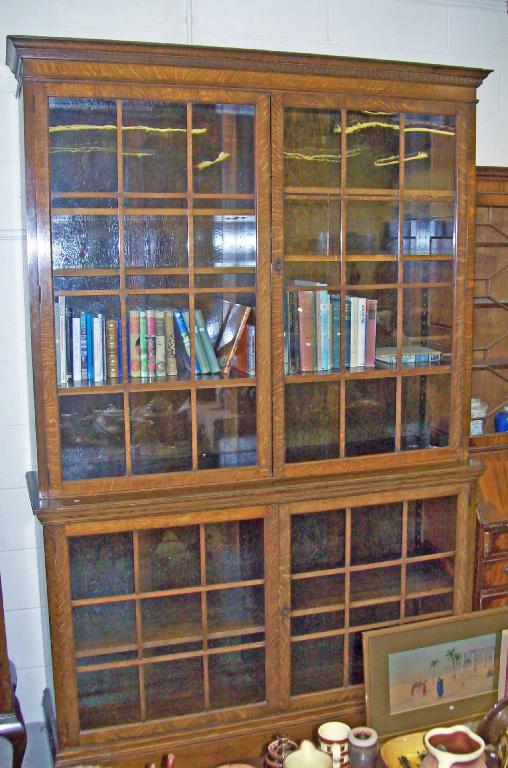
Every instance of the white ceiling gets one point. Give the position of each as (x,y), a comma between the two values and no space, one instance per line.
(493,5)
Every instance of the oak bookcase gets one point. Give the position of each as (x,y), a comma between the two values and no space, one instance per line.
(216,543)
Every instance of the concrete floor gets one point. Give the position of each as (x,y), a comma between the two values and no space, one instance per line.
(37,753)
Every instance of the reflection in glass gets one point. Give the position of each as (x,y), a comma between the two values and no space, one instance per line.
(317,622)
(370,416)
(226,419)
(429,158)
(156,241)
(317,541)
(233,609)
(428,229)
(162,679)
(169,558)
(374,614)
(223,148)
(237,678)
(312,148)
(428,271)
(84,242)
(92,439)
(373,153)
(316,436)
(82,145)
(317,592)
(225,241)
(431,526)
(376,533)
(109,283)
(312,227)
(154,138)
(108,697)
(430,574)
(375,583)
(372,227)
(170,620)
(425,414)
(101,565)
(428,319)
(234,551)
(373,272)
(420,606)
(160,432)
(102,627)
(317,665)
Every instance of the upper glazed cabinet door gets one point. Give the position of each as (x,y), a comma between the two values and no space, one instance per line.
(365,216)
(158,265)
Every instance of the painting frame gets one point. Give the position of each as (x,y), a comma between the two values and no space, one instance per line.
(379,644)
(502,687)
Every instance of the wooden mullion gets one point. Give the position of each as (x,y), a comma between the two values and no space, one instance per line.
(400,290)
(403,574)
(342,290)
(347,591)
(284,605)
(191,292)
(139,624)
(204,616)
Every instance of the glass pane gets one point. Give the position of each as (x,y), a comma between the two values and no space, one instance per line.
(323,592)
(312,151)
(428,229)
(106,658)
(370,416)
(84,241)
(373,153)
(237,678)
(234,551)
(312,228)
(317,622)
(82,140)
(106,283)
(431,526)
(232,610)
(160,432)
(429,158)
(169,558)
(375,583)
(355,658)
(317,665)
(317,541)
(430,574)
(376,533)
(223,148)
(372,228)
(228,240)
(156,241)
(374,614)
(171,621)
(426,405)
(154,138)
(163,679)
(226,420)
(372,271)
(108,697)
(428,319)
(92,439)
(101,565)
(421,606)
(428,271)
(315,437)
(105,627)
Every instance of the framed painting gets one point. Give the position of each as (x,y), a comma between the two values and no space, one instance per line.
(502,689)
(433,672)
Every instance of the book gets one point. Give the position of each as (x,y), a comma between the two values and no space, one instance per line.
(112,348)
(98,372)
(200,353)
(362,331)
(179,321)
(353,362)
(244,358)
(160,344)
(323,320)
(62,337)
(119,348)
(68,345)
(335,330)
(151,333)
(83,346)
(306,314)
(58,361)
(134,344)
(169,328)
(89,346)
(370,334)
(415,354)
(216,319)
(206,342)
(230,335)
(76,347)
(143,345)
(347,327)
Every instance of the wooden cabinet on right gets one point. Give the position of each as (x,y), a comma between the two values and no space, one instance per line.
(490,328)
(491,578)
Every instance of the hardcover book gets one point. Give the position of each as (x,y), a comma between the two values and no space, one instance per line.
(206,342)
(134,344)
(306,322)
(245,357)
(230,335)
(160,344)
(415,354)
(171,367)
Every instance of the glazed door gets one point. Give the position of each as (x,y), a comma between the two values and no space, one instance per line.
(156,362)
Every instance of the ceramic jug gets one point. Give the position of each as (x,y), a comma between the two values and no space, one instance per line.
(308,756)
(454,746)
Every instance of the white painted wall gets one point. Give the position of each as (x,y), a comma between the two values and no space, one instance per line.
(461,32)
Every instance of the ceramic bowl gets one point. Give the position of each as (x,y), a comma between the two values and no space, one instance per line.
(495,723)
(405,751)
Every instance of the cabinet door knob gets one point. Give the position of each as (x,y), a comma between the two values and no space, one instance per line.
(277,266)
(284,612)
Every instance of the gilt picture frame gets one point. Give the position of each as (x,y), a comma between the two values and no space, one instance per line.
(432,672)
(502,689)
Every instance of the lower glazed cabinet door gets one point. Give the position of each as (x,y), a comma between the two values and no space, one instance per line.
(349,566)
(167,621)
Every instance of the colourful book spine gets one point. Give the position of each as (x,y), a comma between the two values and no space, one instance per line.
(83,346)
(184,335)
(134,344)
(68,344)
(324,322)
(294,319)
(370,337)
(200,354)
(169,327)
(244,358)
(98,372)
(206,342)
(335,328)
(63,346)
(76,347)
(56,308)
(89,346)
(151,337)
(306,329)
(112,348)
(354,331)
(347,326)
(119,348)
(160,344)
(143,344)
(362,331)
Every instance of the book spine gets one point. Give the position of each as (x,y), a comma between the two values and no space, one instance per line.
(354,331)
(83,346)
(98,373)
(119,348)
(306,329)
(171,367)
(287,334)
(227,367)
(370,335)
(134,344)
(201,358)
(160,344)
(143,344)
(335,325)
(112,348)
(295,359)
(63,354)
(206,342)
(362,331)
(250,331)
(58,361)
(347,325)
(324,320)
(151,336)
(89,346)
(76,348)
(184,334)
(317,332)
(68,344)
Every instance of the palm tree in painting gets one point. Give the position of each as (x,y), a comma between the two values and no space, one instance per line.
(454,657)
(434,665)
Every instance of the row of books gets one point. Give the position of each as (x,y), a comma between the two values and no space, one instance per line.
(89,345)
(312,331)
